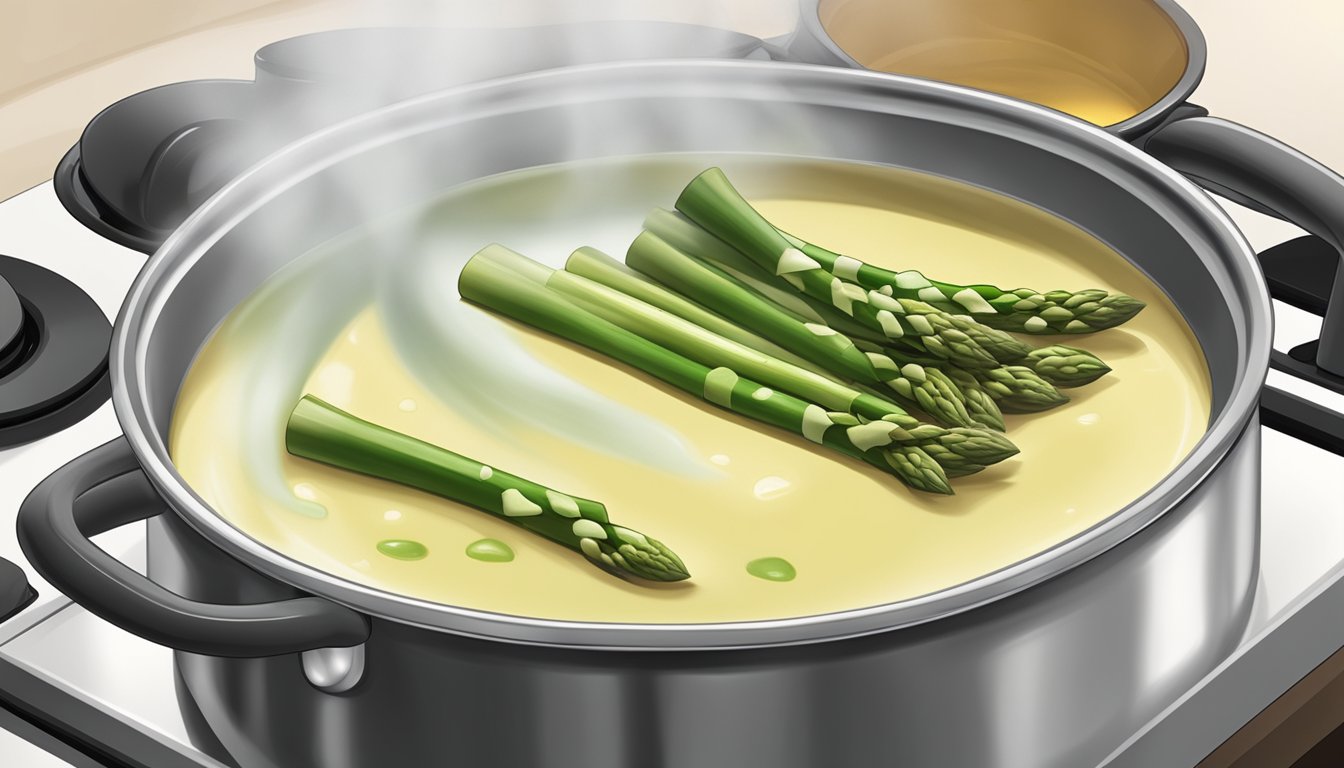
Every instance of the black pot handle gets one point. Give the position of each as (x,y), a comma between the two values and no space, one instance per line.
(1250,167)
(105,489)
(1221,155)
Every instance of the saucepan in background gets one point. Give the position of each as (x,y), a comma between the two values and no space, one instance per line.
(1126,65)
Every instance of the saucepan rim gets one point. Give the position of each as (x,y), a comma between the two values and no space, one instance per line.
(820,86)
(1197,52)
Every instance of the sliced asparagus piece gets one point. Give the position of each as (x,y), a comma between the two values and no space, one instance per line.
(514,286)
(322,432)
(1021,309)
(958,450)
(818,343)
(711,202)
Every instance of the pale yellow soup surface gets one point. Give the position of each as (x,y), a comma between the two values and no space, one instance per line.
(855,536)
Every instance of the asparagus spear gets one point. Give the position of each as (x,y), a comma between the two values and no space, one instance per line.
(1021,309)
(514,286)
(960,450)
(601,268)
(683,234)
(711,202)
(980,408)
(815,342)
(1014,388)
(322,432)
(707,348)
(1057,364)
(1066,366)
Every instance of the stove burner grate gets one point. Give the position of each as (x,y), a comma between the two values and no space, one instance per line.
(53,352)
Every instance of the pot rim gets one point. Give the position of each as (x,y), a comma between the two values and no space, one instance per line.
(818,85)
(1196,58)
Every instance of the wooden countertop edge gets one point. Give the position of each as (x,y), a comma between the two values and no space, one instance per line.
(1289,727)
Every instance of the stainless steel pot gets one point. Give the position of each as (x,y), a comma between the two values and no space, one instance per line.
(1152,45)
(1049,662)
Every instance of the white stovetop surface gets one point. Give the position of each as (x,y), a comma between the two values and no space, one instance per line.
(1302,542)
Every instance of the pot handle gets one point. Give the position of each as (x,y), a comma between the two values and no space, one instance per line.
(105,489)
(1223,156)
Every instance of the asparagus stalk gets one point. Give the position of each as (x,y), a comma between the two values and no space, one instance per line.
(939,395)
(1066,366)
(598,267)
(711,202)
(815,342)
(1014,388)
(1061,365)
(322,432)
(1057,364)
(958,450)
(697,343)
(514,286)
(1021,309)
(683,234)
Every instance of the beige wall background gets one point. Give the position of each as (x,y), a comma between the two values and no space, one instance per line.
(1275,66)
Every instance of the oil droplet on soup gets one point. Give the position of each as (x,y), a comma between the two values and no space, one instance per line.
(490,551)
(772,569)
(403,549)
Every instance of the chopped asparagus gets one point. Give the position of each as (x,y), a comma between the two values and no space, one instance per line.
(322,432)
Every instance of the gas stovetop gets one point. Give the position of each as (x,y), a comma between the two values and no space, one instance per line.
(78,687)
(88,693)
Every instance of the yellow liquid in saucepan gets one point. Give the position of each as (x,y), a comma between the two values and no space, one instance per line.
(1103,61)
(854,535)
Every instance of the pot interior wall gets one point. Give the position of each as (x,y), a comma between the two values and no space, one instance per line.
(405,155)
(1086,57)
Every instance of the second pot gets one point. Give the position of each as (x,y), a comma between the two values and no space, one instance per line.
(1126,65)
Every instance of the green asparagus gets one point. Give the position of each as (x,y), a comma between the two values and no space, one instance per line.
(514,286)
(1014,388)
(1057,365)
(1021,309)
(1065,366)
(322,432)
(818,343)
(601,268)
(711,202)
(959,449)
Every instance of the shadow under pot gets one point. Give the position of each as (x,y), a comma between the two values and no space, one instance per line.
(1126,65)
(293,666)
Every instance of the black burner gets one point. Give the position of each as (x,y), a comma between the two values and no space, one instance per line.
(15,594)
(146,162)
(53,352)
(12,324)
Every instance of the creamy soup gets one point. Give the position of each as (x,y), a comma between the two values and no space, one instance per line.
(768,524)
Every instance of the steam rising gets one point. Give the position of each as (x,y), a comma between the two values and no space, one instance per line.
(455,351)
